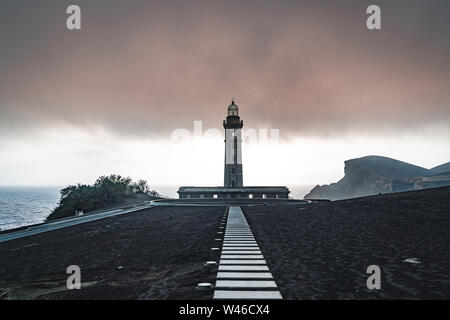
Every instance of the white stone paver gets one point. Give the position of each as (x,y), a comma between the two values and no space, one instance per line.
(233,237)
(245,284)
(242,261)
(242,268)
(239,236)
(244,295)
(234,250)
(240,248)
(241,256)
(244,275)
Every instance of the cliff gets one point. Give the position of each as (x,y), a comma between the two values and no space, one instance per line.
(374,174)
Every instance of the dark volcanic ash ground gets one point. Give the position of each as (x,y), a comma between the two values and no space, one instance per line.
(322,250)
(314,251)
(162,252)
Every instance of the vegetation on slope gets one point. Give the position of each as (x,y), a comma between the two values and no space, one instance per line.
(106,191)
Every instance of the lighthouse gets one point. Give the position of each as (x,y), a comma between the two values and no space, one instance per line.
(233,184)
(233,148)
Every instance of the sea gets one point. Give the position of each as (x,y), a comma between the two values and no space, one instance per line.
(22,206)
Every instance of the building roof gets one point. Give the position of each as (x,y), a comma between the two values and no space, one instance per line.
(256,189)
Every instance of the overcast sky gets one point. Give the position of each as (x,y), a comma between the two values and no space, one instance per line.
(107,98)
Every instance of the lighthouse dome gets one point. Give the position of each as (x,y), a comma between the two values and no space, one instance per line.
(233,109)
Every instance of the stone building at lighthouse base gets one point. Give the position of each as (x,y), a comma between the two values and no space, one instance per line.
(270,192)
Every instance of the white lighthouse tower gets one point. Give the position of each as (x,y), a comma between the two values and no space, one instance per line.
(233,149)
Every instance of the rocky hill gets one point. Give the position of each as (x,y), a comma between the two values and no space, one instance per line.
(443,168)
(374,174)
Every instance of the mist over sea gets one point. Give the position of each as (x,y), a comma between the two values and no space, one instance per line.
(21,206)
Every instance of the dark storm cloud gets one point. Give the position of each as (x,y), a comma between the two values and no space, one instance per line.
(148,67)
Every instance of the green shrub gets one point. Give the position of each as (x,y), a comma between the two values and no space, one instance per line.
(105,191)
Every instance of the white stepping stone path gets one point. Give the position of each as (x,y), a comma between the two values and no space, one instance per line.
(243,273)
